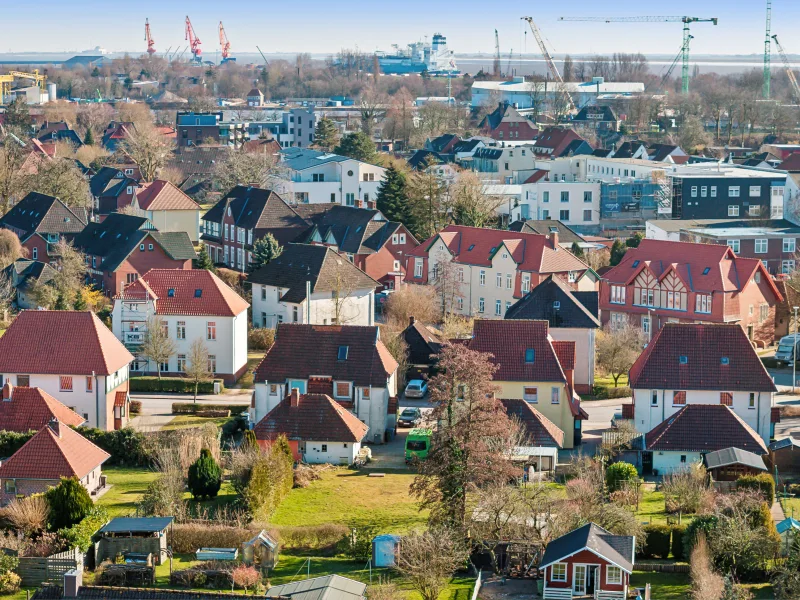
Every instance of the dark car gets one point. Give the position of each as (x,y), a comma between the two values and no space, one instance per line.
(410,417)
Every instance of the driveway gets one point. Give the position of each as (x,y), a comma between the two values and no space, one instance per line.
(600,414)
(393,454)
(157,408)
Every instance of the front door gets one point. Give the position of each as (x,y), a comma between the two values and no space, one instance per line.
(647,463)
(579,580)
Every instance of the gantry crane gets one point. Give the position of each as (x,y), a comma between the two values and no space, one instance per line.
(151,45)
(767,54)
(687,37)
(548,59)
(7,79)
(194,41)
(496,65)
(789,71)
(224,44)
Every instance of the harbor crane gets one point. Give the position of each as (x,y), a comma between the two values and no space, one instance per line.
(789,71)
(496,65)
(767,54)
(687,37)
(224,44)
(151,45)
(194,41)
(7,79)
(551,66)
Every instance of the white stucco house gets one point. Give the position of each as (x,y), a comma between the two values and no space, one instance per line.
(190,305)
(311,283)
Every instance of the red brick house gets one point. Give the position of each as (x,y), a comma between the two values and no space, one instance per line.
(40,221)
(56,451)
(319,429)
(112,190)
(25,409)
(588,561)
(505,123)
(123,247)
(554,142)
(661,282)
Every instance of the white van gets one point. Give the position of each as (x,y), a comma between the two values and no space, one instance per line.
(787,348)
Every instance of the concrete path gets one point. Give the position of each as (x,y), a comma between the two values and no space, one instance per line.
(150,422)
(777,512)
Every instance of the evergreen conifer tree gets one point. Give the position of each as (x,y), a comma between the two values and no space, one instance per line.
(264,250)
(325,134)
(392,198)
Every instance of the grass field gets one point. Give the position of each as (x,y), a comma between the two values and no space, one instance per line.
(609,381)
(246,380)
(128,485)
(350,497)
(189,421)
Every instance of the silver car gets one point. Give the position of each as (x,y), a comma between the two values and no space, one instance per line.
(416,388)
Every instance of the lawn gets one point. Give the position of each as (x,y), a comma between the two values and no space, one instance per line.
(791,507)
(653,510)
(607,380)
(189,421)
(246,380)
(350,497)
(675,586)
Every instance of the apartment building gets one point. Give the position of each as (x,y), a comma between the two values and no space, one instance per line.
(194,129)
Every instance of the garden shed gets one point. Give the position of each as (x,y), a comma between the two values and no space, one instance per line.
(384,550)
(261,551)
(140,535)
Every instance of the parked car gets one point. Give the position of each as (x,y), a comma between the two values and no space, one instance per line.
(787,348)
(418,444)
(416,388)
(410,417)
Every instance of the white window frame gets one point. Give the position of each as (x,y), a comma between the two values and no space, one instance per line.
(787,266)
(616,580)
(498,308)
(555,395)
(482,278)
(481,305)
(694,191)
(526,283)
(755,191)
(734,245)
(617,294)
(761,246)
(418,263)
(733,210)
(531,398)
(734,191)
(713,191)
(336,389)
(562,577)
(789,244)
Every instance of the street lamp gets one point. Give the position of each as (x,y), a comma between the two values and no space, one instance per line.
(794,350)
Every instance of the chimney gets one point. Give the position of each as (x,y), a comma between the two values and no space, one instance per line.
(55,425)
(294,398)
(73,579)
(411,320)
(8,390)
(554,240)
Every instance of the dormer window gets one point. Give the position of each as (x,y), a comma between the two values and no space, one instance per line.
(530,355)
(342,353)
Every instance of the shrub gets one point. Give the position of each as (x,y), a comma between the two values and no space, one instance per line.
(9,583)
(175,385)
(189,408)
(69,502)
(136,407)
(28,515)
(762,483)
(260,339)
(188,537)
(686,490)
(704,524)
(213,414)
(618,473)
(205,476)
(678,535)
(80,535)
(45,544)
(357,543)
(608,392)
(126,446)
(245,577)
(11,441)
(313,537)
(657,541)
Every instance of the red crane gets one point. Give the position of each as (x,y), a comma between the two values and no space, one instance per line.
(151,45)
(224,43)
(194,41)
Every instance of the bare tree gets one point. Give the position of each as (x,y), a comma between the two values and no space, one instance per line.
(71,272)
(418,301)
(248,168)
(10,248)
(60,177)
(617,349)
(343,287)
(12,179)
(148,148)
(470,204)
(429,559)
(371,106)
(447,280)
(197,367)
(157,345)
(707,584)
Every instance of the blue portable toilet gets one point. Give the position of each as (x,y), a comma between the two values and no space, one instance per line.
(384,549)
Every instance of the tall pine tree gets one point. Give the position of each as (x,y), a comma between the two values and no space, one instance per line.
(264,250)
(392,198)
(203,260)
(325,134)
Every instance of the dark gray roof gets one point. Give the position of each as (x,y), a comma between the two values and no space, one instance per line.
(782,444)
(27,271)
(199,160)
(96,592)
(356,230)
(127,524)
(422,159)
(301,159)
(324,268)
(602,152)
(44,214)
(589,113)
(110,182)
(438,144)
(618,549)
(329,587)
(566,235)
(176,244)
(734,456)
(540,304)
(466,145)
(488,153)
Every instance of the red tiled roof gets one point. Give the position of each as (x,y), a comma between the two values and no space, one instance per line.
(48,455)
(791,162)
(300,351)
(538,175)
(61,342)
(532,252)
(565,351)
(163,195)
(316,418)
(507,342)
(30,409)
(120,398)
(704,428)
(704,346)
(727,272)
(217,299)
(540,430)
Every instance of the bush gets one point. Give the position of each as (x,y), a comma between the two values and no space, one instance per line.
(126,446)
(357,543)
(703,524)
(190,408)
(260,339)
(69,502)
(678,535)
(188,537)
(245,577)
(762,482)
(9,583)
(213,414)
(80,535)
(313,537)
(608,392)
(657,541)
(172,385)
(136,407)
(205,476)
(618,473)
(11,441)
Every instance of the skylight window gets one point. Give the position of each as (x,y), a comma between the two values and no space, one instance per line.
(635,264)
(530,355)
(171,292)
(725,360)
(198,293)
(684,360)
(706,271)
(342,354)
(471,248)
(557,304)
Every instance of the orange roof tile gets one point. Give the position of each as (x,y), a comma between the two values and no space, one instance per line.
(163,195)
(31,408)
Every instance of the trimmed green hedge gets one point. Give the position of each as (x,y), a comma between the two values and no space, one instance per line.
(173,385)
(11,441)
(657,542)
(608,392)
(678,532)
(190,408)
(762,482)
(126,446)
(80,535)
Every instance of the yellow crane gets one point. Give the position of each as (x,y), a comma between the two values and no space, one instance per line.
(7,79)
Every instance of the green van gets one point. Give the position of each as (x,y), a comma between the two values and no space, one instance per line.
(418,443)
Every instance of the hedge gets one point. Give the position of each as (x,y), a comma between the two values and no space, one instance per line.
(11,441)
(762,482)
(136,407)
(80,535)
(126,446)
(608,392)
(173,385)
(190,408)
(657,541)
(678,532)
(618,472)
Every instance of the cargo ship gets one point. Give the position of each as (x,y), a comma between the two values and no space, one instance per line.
(434,58)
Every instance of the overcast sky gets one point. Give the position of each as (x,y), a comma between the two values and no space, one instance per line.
(325,26)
